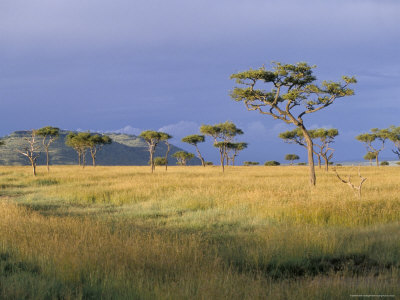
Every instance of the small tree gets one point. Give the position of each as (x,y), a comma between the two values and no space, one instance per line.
(296,136)
(293,95)
(159,161)
(183,157)
(377,136)
(194,139)
(31,151)
(222,134)
(49,135)
(80,142)
(291,158)
(96,143)
(325,137)
(166,137)
(235,148)
(152,138)
(394,136)
(370,156)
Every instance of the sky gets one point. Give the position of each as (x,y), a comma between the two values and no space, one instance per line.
(128,66)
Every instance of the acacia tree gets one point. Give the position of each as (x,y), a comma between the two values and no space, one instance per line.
(95,143)
(294,93)
(49,135)
(374,141)
(222,133)
(296,137)
(80,143)
(235,148)
(370,156)
(152,138)
(291,158)
(194,139)
(165,137)
(31,151)
(183,157)
(394,136)
(325,138)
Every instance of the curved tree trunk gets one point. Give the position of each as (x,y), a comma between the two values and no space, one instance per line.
(310,152)
(47,159)
(203,163)
(377,160)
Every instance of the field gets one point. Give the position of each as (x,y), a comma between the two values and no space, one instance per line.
(195,233)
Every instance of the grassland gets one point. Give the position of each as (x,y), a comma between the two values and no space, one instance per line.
(195,233)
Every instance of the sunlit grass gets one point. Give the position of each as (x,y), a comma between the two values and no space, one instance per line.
(194,232)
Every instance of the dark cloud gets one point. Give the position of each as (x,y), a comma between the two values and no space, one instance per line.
(146,64)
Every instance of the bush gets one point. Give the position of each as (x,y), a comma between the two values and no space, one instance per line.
(251,163)
(384,163)
(398,163)
(209,163)
(302,164)
(338,165)
(160,161)
(272,163)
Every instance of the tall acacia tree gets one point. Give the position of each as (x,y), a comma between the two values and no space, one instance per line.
(374,141)
(166,137)
(95,143)
(293,94)
(194,139)
(31,151)
(222,133)
(152,138)
(49,135)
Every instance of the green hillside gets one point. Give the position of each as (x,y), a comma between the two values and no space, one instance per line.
(125,150)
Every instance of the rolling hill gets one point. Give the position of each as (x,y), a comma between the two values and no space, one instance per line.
(125,150)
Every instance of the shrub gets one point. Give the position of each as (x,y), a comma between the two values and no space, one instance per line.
(209,163)
(251,163)
(384,163)
(301,164)
(272,163)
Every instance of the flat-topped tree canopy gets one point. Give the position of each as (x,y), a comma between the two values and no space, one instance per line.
(151,135)
(293,91)
(194,139)
(49,131)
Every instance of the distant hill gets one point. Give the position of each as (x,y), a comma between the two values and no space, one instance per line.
(124,151)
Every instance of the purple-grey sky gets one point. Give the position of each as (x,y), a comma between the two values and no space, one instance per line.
(144,64)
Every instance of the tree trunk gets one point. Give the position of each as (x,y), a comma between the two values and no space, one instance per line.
(33,167)
(310,151)
(377,160)
(79,157)
(222,161)
(151,161)
(326,163)
(47,160)
(166,157)
(319,161)
(203,163)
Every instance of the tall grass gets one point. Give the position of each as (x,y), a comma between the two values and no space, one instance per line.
(195,233)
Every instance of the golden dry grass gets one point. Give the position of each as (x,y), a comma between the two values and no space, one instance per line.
(195,233)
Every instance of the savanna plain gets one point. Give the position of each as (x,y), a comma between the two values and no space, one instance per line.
(197,233)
